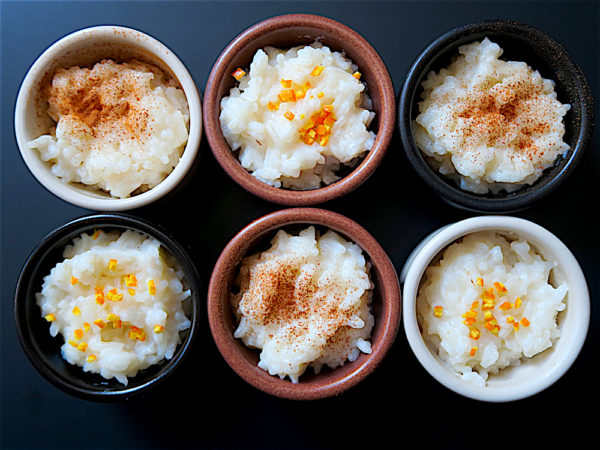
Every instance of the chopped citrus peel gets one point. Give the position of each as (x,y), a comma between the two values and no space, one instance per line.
(488,305)
(238,73)
(318,127)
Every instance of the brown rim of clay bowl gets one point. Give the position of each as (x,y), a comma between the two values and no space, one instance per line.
(284,32)
(386,306)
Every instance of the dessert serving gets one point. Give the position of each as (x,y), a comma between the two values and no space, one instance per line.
(298,116)
(304,302)
(488,124)
(117,301)
(119,128)
(489,303)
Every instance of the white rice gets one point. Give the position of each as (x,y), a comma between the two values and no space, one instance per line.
(489,124)
(117,354)
(269,144)
(305,302)
(120,128)
(452,284)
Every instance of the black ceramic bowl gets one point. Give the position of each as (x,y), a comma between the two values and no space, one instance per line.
(44,351)
(520,42)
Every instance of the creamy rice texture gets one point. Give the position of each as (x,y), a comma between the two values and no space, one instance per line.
(489,304)
(305,302)
(117,302)
(120,128)
(268,116)
(490,124)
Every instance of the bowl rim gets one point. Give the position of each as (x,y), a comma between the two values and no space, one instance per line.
(231,165)
(77,197)
(452,194)
(228,263)
(119,220)
(432,245)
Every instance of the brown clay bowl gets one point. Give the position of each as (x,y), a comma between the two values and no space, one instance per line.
(284,32)
(386,306)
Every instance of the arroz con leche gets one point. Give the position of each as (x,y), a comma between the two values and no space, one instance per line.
(305,302)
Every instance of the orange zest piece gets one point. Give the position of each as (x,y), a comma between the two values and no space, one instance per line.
(151,287)
(99,323)
(76,311)
(50,317)
(474,333)
(357,75)
(317,71)
(112,264)
(289,115)
(131,291)
(99,295)
(91,358)
(287,95)
(525,322)
(74,281)
(272,106)
(517,302)
(96,234)
(505,306)
(286,83)
(438,310)
(479,281)
(238,73)
(78,333)
(131,280)
(158,329)
(82,347)
(473,351)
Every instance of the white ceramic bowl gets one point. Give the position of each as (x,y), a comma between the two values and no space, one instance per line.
(84,48)
(535,374)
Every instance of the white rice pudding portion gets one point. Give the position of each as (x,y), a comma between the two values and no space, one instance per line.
(120,128)
(117,302)
(489,304)
(253,116)
(305,302)
(490,124)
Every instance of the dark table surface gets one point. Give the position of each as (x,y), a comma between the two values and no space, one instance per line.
(205,404)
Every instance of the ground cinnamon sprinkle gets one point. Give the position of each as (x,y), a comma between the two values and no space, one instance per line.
(105,100)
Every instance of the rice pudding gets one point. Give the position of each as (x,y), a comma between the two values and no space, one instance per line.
(488,304)
(117,300)
(489,124)
(120,128)
(305,302)
(298,116)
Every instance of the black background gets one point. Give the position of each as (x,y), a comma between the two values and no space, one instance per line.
(205,404)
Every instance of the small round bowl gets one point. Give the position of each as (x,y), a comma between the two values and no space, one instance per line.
(386,306)
(84,48)
(535,374)
(520,42)
(284,32)
(44,351)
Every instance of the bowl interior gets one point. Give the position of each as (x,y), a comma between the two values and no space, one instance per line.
(519,43)
(541,370)
(44,350)
(84,49)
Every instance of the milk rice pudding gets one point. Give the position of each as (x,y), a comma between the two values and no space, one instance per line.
(305,302)
(120,128)
(298,116)
(117,301)
(490,124)
(489,304)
